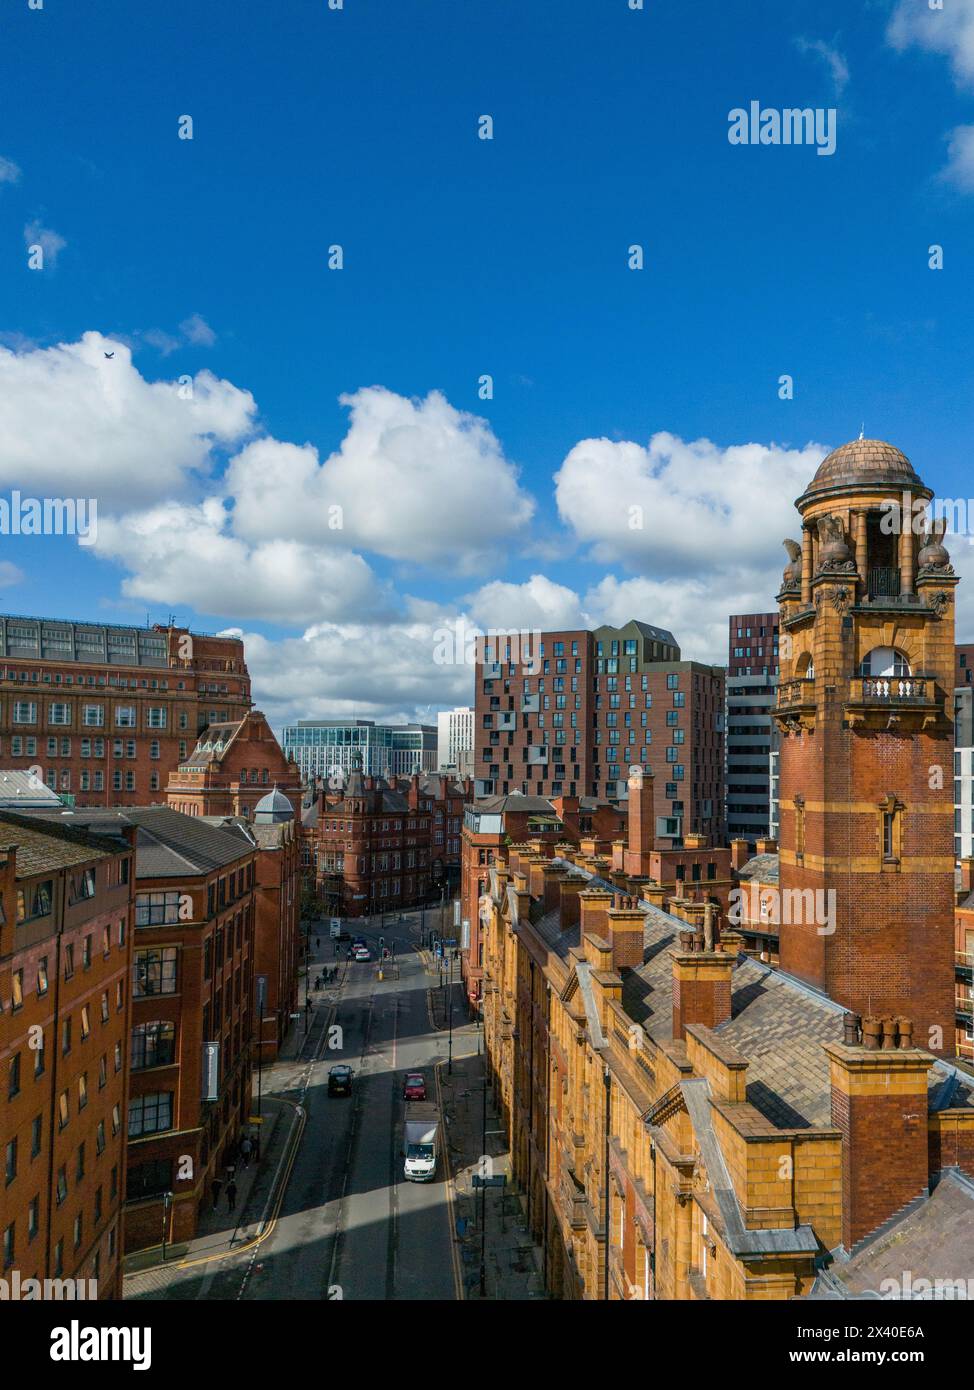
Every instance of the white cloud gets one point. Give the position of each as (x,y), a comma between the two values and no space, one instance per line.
(536,604)
(179,554)
(50,242)
(417,480)
(682,508)
(9,171)
(76,423)
(351,670)
(959,169)
(9,574)
(949,31)
(197,331)
(833,59)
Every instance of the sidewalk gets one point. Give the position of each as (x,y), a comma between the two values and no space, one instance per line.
(512,1260)
(221,1233)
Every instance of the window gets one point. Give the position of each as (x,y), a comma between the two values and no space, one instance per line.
(32,1217)
(35,901)
(148,1179)
(11,1161)
(153,1044)
(59,714)
(25,712)
(150,1114)
(125,716)
(157,717)
(82,1090)
(93,716)
(9,1245)
(17,990)
(63,1112)
(156,909)
(155,971)
(36,1135)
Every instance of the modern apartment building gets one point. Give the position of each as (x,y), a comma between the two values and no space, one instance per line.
(574,713)
(964,753)
(329,748)
(102,714)
(455,741)
(752,679)
(66,918)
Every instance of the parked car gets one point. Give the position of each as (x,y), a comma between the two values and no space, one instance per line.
(414,1087)
(340,1080)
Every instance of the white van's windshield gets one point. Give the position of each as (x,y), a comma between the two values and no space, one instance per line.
(419,1151)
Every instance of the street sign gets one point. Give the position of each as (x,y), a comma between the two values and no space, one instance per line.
(499,1181)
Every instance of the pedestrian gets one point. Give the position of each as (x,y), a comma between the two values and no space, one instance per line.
(231,1195)
(245,1149)
(317,943)
(217,1185)
(307,1006)
(231,1172)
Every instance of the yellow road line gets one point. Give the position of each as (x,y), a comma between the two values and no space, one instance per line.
(450,1188)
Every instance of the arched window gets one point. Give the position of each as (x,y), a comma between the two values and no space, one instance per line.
(884,661)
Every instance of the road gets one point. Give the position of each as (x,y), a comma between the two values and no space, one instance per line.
(350,1226)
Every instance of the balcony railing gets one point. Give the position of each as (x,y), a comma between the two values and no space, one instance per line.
(964,966)
(796,692)
(890,690)
(883,583)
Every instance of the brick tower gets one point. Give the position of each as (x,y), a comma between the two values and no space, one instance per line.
(865,712)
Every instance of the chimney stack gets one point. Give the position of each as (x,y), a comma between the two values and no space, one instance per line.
(879,1106)
(701,981)
(626,925)
(740,853)
(641,827)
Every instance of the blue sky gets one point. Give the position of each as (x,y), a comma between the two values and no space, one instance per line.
(466,257)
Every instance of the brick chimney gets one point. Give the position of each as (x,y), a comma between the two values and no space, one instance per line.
(701,981)
(740,853)
(879,1105)
(625,933)
(413,795)
(554,876)
(766,845)
(570,907)
(594,904)
(641,827)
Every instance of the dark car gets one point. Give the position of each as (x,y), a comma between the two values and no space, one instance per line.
(414,1087)
(340,1081)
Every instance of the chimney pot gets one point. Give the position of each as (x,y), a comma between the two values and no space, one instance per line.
(851,1024)
(889,1034)
(872,1031)
(906,1032)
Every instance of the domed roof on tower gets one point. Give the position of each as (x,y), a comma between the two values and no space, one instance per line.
(272,808)
(864,463)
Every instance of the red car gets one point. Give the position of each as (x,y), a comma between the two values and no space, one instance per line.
(414,1087)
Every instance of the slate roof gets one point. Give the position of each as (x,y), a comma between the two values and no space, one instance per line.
(761,868)
(934,1239)
(168,843)
(778,1023)
(42,847)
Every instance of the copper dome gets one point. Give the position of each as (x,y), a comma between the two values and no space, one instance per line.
(863,463)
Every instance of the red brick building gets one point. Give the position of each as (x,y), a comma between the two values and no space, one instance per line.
(383,847)
(865,710)
(569,713)
(105,713)
(233,767)
(66,916)
(193,987)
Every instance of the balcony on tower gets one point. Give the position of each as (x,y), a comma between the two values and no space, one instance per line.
(887,694)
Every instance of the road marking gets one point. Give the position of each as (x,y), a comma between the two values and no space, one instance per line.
(450,1189)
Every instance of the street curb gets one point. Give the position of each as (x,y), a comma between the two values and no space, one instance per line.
(451,1193)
